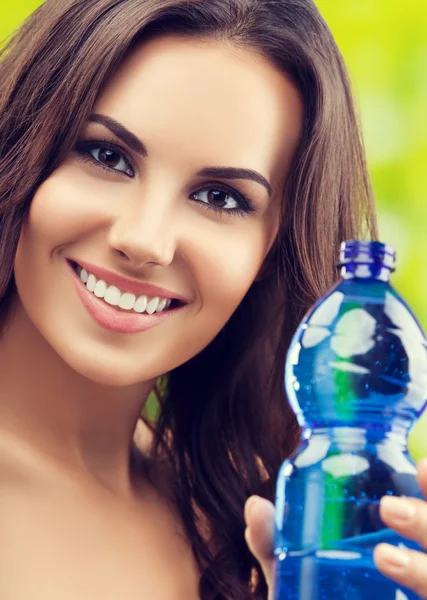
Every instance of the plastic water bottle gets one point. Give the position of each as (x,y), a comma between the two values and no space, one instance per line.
(356,377)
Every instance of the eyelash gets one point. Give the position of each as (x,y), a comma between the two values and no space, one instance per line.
(84,149)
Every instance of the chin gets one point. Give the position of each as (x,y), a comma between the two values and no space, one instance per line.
(102,375)
(104,368)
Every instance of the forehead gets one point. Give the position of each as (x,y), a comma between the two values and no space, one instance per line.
(205,101)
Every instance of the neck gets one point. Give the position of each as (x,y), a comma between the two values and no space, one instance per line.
(81,425)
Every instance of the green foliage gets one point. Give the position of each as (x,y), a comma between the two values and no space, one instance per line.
(385,46)
(13,13)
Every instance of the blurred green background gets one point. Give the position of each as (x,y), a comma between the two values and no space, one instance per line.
(384,43)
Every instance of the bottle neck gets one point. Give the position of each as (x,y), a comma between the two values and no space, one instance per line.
(377,272)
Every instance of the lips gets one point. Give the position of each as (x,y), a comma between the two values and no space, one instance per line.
(111,318)
(122,300)
(126,284)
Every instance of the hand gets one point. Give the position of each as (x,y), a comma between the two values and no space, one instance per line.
(259,517)
(407,516)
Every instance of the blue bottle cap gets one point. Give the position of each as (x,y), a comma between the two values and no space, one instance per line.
(367,252)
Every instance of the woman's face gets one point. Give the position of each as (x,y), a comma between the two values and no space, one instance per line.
(176,183)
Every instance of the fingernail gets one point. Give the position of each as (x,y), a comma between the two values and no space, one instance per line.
(422,464)
(398,508)
(396,558)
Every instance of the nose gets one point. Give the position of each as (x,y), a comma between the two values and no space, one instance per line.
(143,234)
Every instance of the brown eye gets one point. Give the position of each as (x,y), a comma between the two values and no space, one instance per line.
(216,198)
(105,156)
(109,157)
(112,159)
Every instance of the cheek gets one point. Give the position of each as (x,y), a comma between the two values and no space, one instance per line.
(227,265)
(59,214)
(66,207)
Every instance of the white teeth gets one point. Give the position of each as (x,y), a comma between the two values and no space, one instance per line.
(152,305)
(91,282)
(162,305)
(100,289)
(140,304)
(127,301)
(112,295)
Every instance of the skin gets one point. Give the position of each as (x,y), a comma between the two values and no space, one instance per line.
(72,391)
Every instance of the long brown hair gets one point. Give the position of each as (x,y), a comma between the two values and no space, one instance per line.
(224,415)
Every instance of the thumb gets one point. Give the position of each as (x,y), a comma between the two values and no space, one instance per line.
(259,517)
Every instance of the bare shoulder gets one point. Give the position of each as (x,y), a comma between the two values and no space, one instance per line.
(57,539)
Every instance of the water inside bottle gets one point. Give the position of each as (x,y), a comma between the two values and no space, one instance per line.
(347,574)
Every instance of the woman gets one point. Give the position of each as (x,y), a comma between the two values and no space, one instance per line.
(175,180)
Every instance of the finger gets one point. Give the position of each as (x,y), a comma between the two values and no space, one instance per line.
(407,516)
(407,567)
(259,517)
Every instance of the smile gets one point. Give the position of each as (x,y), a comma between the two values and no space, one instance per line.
(120,310)
(124,300)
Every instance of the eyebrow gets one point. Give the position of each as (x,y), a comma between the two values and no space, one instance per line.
(236,173)
(121,132)
(131,140)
